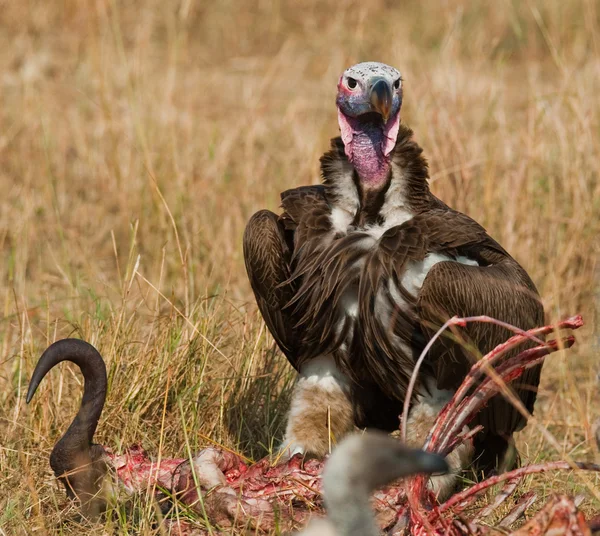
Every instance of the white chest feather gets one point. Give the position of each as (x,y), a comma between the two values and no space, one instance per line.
(417,271)
(413,277)
(394,211)
(341,219)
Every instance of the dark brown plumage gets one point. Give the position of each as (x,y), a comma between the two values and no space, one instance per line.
(366,275)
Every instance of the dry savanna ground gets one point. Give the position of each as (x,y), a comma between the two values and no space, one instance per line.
(136,139)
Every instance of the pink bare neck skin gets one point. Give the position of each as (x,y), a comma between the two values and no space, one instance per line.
(368,146)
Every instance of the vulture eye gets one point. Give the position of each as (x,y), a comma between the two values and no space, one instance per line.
(351,82)
(397,84)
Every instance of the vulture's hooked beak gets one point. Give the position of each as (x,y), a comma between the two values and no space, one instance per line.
(428,462)
(381,96)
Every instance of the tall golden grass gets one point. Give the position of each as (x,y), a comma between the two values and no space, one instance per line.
(136,139)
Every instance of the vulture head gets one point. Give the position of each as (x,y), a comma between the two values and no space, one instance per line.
(358,466)
(368,101)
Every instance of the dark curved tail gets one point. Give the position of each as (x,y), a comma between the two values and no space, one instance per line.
(74,459)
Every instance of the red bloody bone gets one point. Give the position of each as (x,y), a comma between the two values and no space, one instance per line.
(219,484)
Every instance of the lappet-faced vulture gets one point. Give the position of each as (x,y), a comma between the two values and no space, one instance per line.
(356,274)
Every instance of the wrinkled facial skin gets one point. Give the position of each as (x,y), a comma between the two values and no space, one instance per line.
(368,101)
(361,87)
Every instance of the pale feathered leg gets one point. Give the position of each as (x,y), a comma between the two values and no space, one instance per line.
(420,422)
(321,412)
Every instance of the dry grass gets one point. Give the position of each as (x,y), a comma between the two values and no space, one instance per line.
(136,138)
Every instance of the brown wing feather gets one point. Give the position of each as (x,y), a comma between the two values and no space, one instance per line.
(270,244)
(499,288)
(388,336)
(454,233)
(267,257)
(386,344)
(306,213)
(502,291)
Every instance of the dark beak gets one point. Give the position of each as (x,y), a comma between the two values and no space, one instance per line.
(381,98)
(427,462)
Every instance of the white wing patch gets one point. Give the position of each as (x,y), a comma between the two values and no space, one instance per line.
(417,271)
(412,280)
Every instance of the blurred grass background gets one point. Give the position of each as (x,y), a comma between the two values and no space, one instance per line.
(136,139)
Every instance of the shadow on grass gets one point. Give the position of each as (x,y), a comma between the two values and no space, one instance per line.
(255,414)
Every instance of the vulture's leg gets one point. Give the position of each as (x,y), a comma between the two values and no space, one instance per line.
(421,420)
(320,412)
